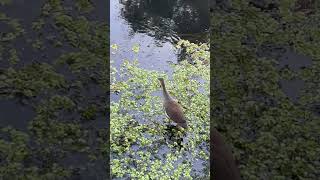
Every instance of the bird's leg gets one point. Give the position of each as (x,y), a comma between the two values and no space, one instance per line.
(167,119)
(179,128)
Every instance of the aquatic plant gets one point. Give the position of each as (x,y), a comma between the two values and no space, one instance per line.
(30,80)
(141,147)
(57,66)
(273,135)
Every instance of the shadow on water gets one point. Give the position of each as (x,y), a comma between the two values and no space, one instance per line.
(172,136)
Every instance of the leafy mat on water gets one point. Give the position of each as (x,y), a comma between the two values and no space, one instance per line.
(273,135)
(56,65)
(144,143)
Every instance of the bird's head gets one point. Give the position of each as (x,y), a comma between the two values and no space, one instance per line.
(161,81)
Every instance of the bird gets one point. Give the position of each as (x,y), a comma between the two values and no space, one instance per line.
(222,161)
(172,108)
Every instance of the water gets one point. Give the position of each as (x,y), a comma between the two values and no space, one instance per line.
(17,111)
(293,61)
(285,110)
(15,114)
(156,26)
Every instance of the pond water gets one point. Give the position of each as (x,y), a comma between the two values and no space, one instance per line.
(156,26)
(267,85)
(32,39)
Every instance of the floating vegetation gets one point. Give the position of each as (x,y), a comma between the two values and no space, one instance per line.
(30,80)
(272,136)
(57,65)
(136,48)
(13,28)
(143,143)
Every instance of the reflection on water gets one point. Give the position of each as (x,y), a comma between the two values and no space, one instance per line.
(168,20)
(156,26)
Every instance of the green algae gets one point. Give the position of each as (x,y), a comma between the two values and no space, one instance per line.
(14,28)
(272,136)
(5,2)
(140,132)
(53,80)
(30,80)
(84,6)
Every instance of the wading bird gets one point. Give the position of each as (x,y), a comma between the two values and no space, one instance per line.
(222,161)
(172,107)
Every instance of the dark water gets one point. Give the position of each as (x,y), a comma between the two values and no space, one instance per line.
(15,114)
(287,59)
(18,112)
(156,26)
(23,9)
(296,72)
(295,62)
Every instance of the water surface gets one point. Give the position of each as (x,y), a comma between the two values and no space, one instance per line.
(156,26)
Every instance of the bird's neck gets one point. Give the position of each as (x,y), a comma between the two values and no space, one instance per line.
(165,92)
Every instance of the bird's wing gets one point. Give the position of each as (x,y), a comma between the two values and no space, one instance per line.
(174,111)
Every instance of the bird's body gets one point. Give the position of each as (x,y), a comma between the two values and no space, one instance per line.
(172,107)
(222,161)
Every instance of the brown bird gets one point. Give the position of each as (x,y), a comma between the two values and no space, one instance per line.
(172,107)
(222,161)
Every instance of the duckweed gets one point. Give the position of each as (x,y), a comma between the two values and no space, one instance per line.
(272,136)
(56,65)
(142,147)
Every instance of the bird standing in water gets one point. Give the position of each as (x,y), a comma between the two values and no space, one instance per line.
(172,107)
(222,161)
